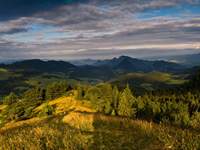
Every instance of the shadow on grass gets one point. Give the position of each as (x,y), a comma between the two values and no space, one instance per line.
(115,133)
(107,133)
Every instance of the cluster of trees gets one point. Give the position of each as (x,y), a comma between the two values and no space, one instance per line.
(108,99)
(179,109)
(22,106)
(51,91)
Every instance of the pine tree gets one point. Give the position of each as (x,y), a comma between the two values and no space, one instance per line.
(56,89)
(126,101)
(115,100)
(10,99)
(80,92)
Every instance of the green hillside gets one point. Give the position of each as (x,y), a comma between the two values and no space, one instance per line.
(149,81)
(6,74)
(76,125)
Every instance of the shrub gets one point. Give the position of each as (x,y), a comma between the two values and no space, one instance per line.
(10,99)
(56,90)
(195,120)
(126,101)
(47,110)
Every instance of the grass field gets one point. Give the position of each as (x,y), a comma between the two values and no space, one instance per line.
(153,77)
(149,81)
(75,125)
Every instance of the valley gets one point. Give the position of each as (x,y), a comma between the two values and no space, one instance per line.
(100,106)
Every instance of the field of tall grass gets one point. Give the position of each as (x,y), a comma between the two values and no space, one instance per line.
(75,125)
(78,130)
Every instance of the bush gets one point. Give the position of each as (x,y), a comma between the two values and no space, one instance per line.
(195,120)
(47,110)
(126,101)
(10,99)
(56,90)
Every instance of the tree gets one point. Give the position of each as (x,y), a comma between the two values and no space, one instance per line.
(106,97)
(101,97)
(35,94)
(10,99)
(115,100)
(195,120)
(126,101)
(80,92)
(56,89)
(47,110)
(93,94)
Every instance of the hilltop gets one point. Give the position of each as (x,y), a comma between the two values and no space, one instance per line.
(76,125)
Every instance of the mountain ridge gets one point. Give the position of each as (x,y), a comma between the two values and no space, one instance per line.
(120,65)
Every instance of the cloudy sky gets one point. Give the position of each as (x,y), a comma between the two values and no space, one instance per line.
(74,29)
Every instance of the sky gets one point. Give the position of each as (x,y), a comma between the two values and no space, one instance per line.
(97,29)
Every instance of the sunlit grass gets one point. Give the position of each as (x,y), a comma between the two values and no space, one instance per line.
(75,125)
(78,130)
(65,104)
(155,77)
(2,107)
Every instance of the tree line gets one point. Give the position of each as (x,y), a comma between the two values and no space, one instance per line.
(179,106)
(178,109)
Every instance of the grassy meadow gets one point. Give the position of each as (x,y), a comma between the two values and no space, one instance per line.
(76,125)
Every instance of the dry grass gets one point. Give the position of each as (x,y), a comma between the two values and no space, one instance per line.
(2,107)
(65,104)
(13,124)
(80,130)
(80,120)
(75,125)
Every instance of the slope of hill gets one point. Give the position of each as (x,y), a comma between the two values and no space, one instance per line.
(148,81)
(76,125)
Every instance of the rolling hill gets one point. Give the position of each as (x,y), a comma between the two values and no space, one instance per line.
(76,125)
(21,75)
(37,65)
(146,82)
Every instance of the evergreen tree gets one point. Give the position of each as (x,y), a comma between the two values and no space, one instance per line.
(56,89)
(35,94)
(10,99)
(126,101)
(80,92)
(115,100)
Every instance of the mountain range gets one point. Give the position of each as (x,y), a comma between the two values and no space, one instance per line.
(122,64)
(20,75)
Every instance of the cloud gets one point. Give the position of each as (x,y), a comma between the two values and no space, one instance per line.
(58,28)
(12,9)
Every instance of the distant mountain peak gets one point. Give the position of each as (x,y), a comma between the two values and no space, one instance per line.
(41,66)
(124,57)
